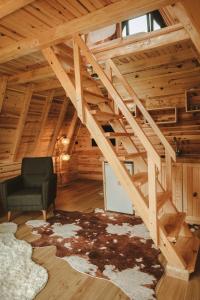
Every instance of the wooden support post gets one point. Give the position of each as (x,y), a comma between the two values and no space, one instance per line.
(152,192)
(57,67)
(58,126)
(108,71)
(19,131)
(168,161)
(71,130)
(44,116)
(75,135)
(78,83)
(3,84)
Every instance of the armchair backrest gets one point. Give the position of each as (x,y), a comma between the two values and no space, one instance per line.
(35,169)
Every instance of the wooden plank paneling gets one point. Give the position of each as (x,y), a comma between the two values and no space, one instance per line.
(44,115)
(10,6)
(21,123)
(3,84)
(58,126)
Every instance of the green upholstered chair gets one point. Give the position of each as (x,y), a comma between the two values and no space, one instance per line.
(35,189)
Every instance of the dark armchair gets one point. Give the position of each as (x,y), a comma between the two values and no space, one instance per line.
(34,189)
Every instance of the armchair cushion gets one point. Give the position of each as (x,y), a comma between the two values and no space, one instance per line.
(29,199)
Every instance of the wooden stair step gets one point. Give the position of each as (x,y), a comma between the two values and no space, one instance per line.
(140,178)
(104,116)
(162,197)
(132,156)
(172,224)
(118,134)
(188,248)
(93,98)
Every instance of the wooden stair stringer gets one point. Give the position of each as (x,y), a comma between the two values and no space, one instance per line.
(169,251)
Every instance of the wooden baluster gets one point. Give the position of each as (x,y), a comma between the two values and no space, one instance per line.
(3,85)
(78,83)
(168,161)
(152,192)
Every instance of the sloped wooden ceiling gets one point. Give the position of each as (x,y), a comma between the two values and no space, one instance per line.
(160,66)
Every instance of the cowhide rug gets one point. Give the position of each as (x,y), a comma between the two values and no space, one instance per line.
(20,277)
(112,246)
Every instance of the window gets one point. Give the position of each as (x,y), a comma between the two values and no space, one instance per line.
(146,23)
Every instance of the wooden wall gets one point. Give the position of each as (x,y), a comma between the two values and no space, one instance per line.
(28,146)
(89,158)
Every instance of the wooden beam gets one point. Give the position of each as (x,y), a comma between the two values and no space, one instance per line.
(31,75)
(168,167)
(105,16)
(58,126)
(10,6)
(78,83)
(3,84)
(187,13)
(44,116)
(136,44)
(70,132)
(114,48)
(60,72)
(152,195)
(19,131)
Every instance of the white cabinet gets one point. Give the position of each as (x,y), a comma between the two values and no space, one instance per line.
(115,197)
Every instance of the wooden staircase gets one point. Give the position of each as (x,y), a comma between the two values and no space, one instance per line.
(151,201)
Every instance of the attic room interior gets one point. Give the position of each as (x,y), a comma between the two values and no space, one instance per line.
(99,149)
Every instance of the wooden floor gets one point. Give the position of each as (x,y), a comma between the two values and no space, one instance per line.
(67,284)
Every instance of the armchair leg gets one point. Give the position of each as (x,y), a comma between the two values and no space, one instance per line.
(44,212)
(9,215)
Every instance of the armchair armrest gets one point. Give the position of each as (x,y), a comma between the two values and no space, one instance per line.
(9,186)
(49,190)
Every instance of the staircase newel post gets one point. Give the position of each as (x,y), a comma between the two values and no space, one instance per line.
(168,161)
(80,105)
(152,192)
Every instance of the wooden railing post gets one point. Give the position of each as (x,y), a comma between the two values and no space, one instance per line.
(168,161)
(3,85)
(152,192)
(78,83)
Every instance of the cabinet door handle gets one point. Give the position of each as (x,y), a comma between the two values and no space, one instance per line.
(195,194)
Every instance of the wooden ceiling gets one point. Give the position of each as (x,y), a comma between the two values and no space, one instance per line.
(41,15)
(153,55)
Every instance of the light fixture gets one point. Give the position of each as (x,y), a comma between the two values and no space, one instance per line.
(65,156)
(65,140)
